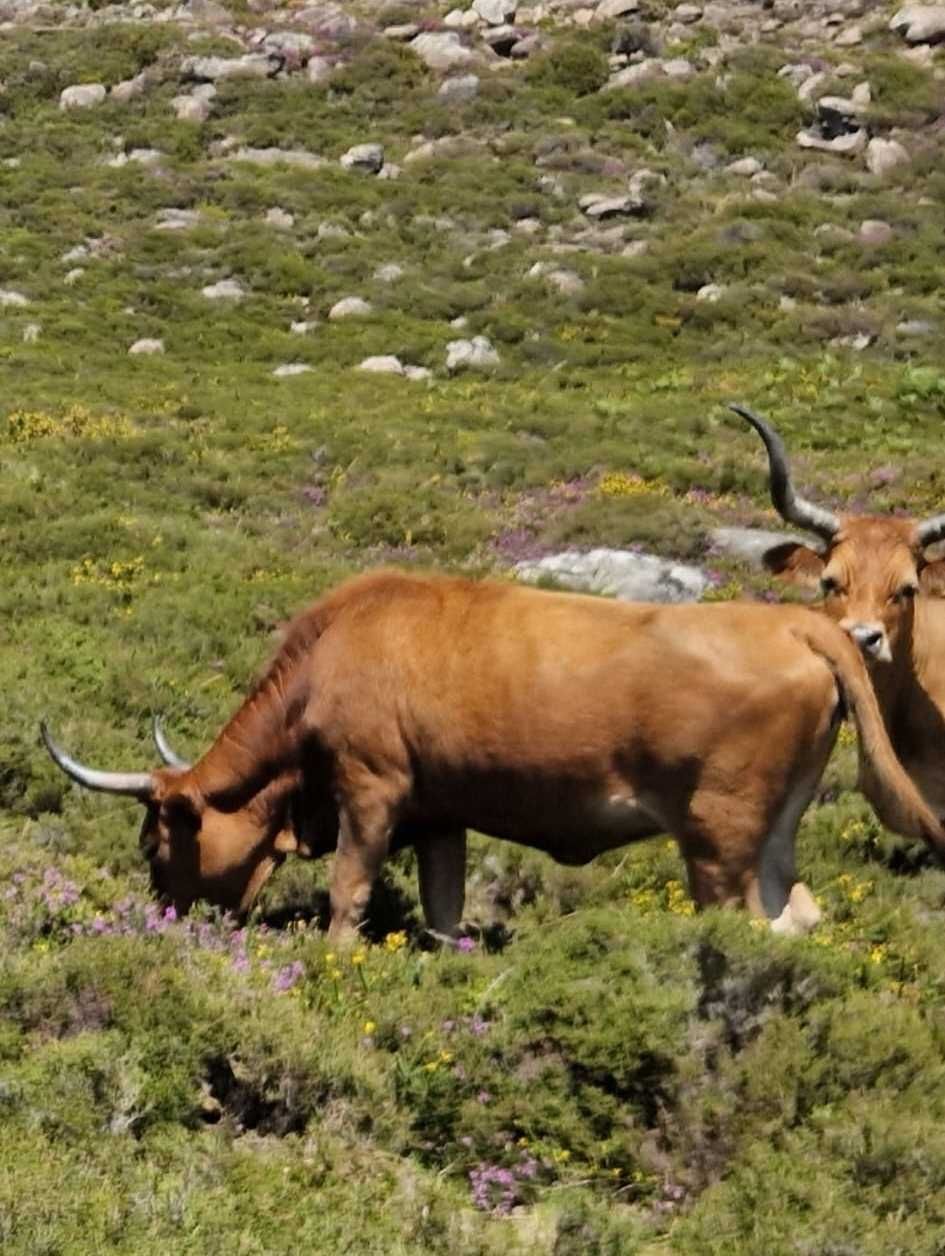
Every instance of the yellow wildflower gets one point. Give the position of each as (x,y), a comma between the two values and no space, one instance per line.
(369,1027)
(395,942)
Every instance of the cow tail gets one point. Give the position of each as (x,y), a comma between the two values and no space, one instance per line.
(883,779)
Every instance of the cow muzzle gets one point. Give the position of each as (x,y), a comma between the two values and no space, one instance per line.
(870,638)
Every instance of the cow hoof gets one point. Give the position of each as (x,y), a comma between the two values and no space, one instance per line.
(785,924)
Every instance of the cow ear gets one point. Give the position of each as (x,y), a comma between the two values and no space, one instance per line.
(932,578)
(286,842)
(798,564)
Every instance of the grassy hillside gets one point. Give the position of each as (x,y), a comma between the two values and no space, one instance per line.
(601,1072)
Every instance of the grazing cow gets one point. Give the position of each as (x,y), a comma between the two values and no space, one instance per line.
(879,586)
(403,709)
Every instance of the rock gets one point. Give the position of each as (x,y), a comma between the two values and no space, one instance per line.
(851,37)
(710,292)
(403,31)
(475,354)
(609,9)
(76,254)
(837,115)
(857,342)
(916,327)
(502,39)
(459,89)
(687,13)
(567,282)
(298,44)
(332,231)
(745,166)
(597,206)
(350,307)
(224,290)
(920,23)
(418,372)
(176,219)
(528,44)
(388,272)
(277,217)
(750,544)
(129,89)
(495,12)
(9,298)
(366,158)
(146,346)
(137,156)
(82,96)
(443,50)
(328,20)
(678,68)
(847,145)
(291,368)
(318,69)
(256,65)
(73,276)
(885,155)
(191,108)
(875,231)
(628,576)
(31,333)
(383,364)
(461,19)
(303,326)
(278,157)
(633,75)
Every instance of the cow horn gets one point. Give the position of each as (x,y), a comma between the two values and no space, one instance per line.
(791,507)
(138,784)
(164,750)
(931,530)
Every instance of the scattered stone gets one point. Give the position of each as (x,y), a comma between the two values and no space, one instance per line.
(875,231)
(857,342)
(609,9)
(279,157)
(192,108)
(350,307)
(297,44)
(403,31)
(280,218)
(291,368)
(388,272)
(332,231)
(303,326)
(318,70)
(475,354)
(459,89)
(76,254)
(495,12)
(383,364)
(443,50)
(916,327)
(920,23)
(599,207)
(837,115)
(745,166)
(710,292)
(678,68)
(10,298)
(176,219)
(633,75)
(527,45)
(31,333)
(254,65)
(73,276)
(130,89)
(851,37)
(224,290)
(137,156)
(885,155)
(847,145)
(687,13)
(366,158)
(567,282)
(389,170)
(628,576)
(82,96)
(418,372)
(461,19)
(751,545)
(502,39)
(147,346)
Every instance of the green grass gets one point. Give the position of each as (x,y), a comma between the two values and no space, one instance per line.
(621,1076)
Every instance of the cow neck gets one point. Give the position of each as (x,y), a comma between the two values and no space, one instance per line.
(899,685)
(257,744)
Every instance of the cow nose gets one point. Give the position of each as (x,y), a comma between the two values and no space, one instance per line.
(871,639)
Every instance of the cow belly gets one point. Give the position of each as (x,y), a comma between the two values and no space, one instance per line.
(573,829)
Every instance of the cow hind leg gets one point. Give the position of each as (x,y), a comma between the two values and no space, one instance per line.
(441,866)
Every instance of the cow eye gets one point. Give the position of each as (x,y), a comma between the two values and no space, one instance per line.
(906,593)
(828,585)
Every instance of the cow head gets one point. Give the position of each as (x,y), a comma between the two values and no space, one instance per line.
(870,568)
(218,849)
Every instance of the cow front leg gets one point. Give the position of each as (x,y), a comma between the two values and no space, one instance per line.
(441,869)
(363,839)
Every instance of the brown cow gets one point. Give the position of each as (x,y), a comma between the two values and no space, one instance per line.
(407,708)
(877,584)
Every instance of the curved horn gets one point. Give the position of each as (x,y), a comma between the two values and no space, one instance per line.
(167,754)
(791,507)
(138,784)
(931,530)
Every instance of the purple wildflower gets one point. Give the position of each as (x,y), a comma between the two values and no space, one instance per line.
(288,976)
(494,1189)
(484,1097)
(465,945)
